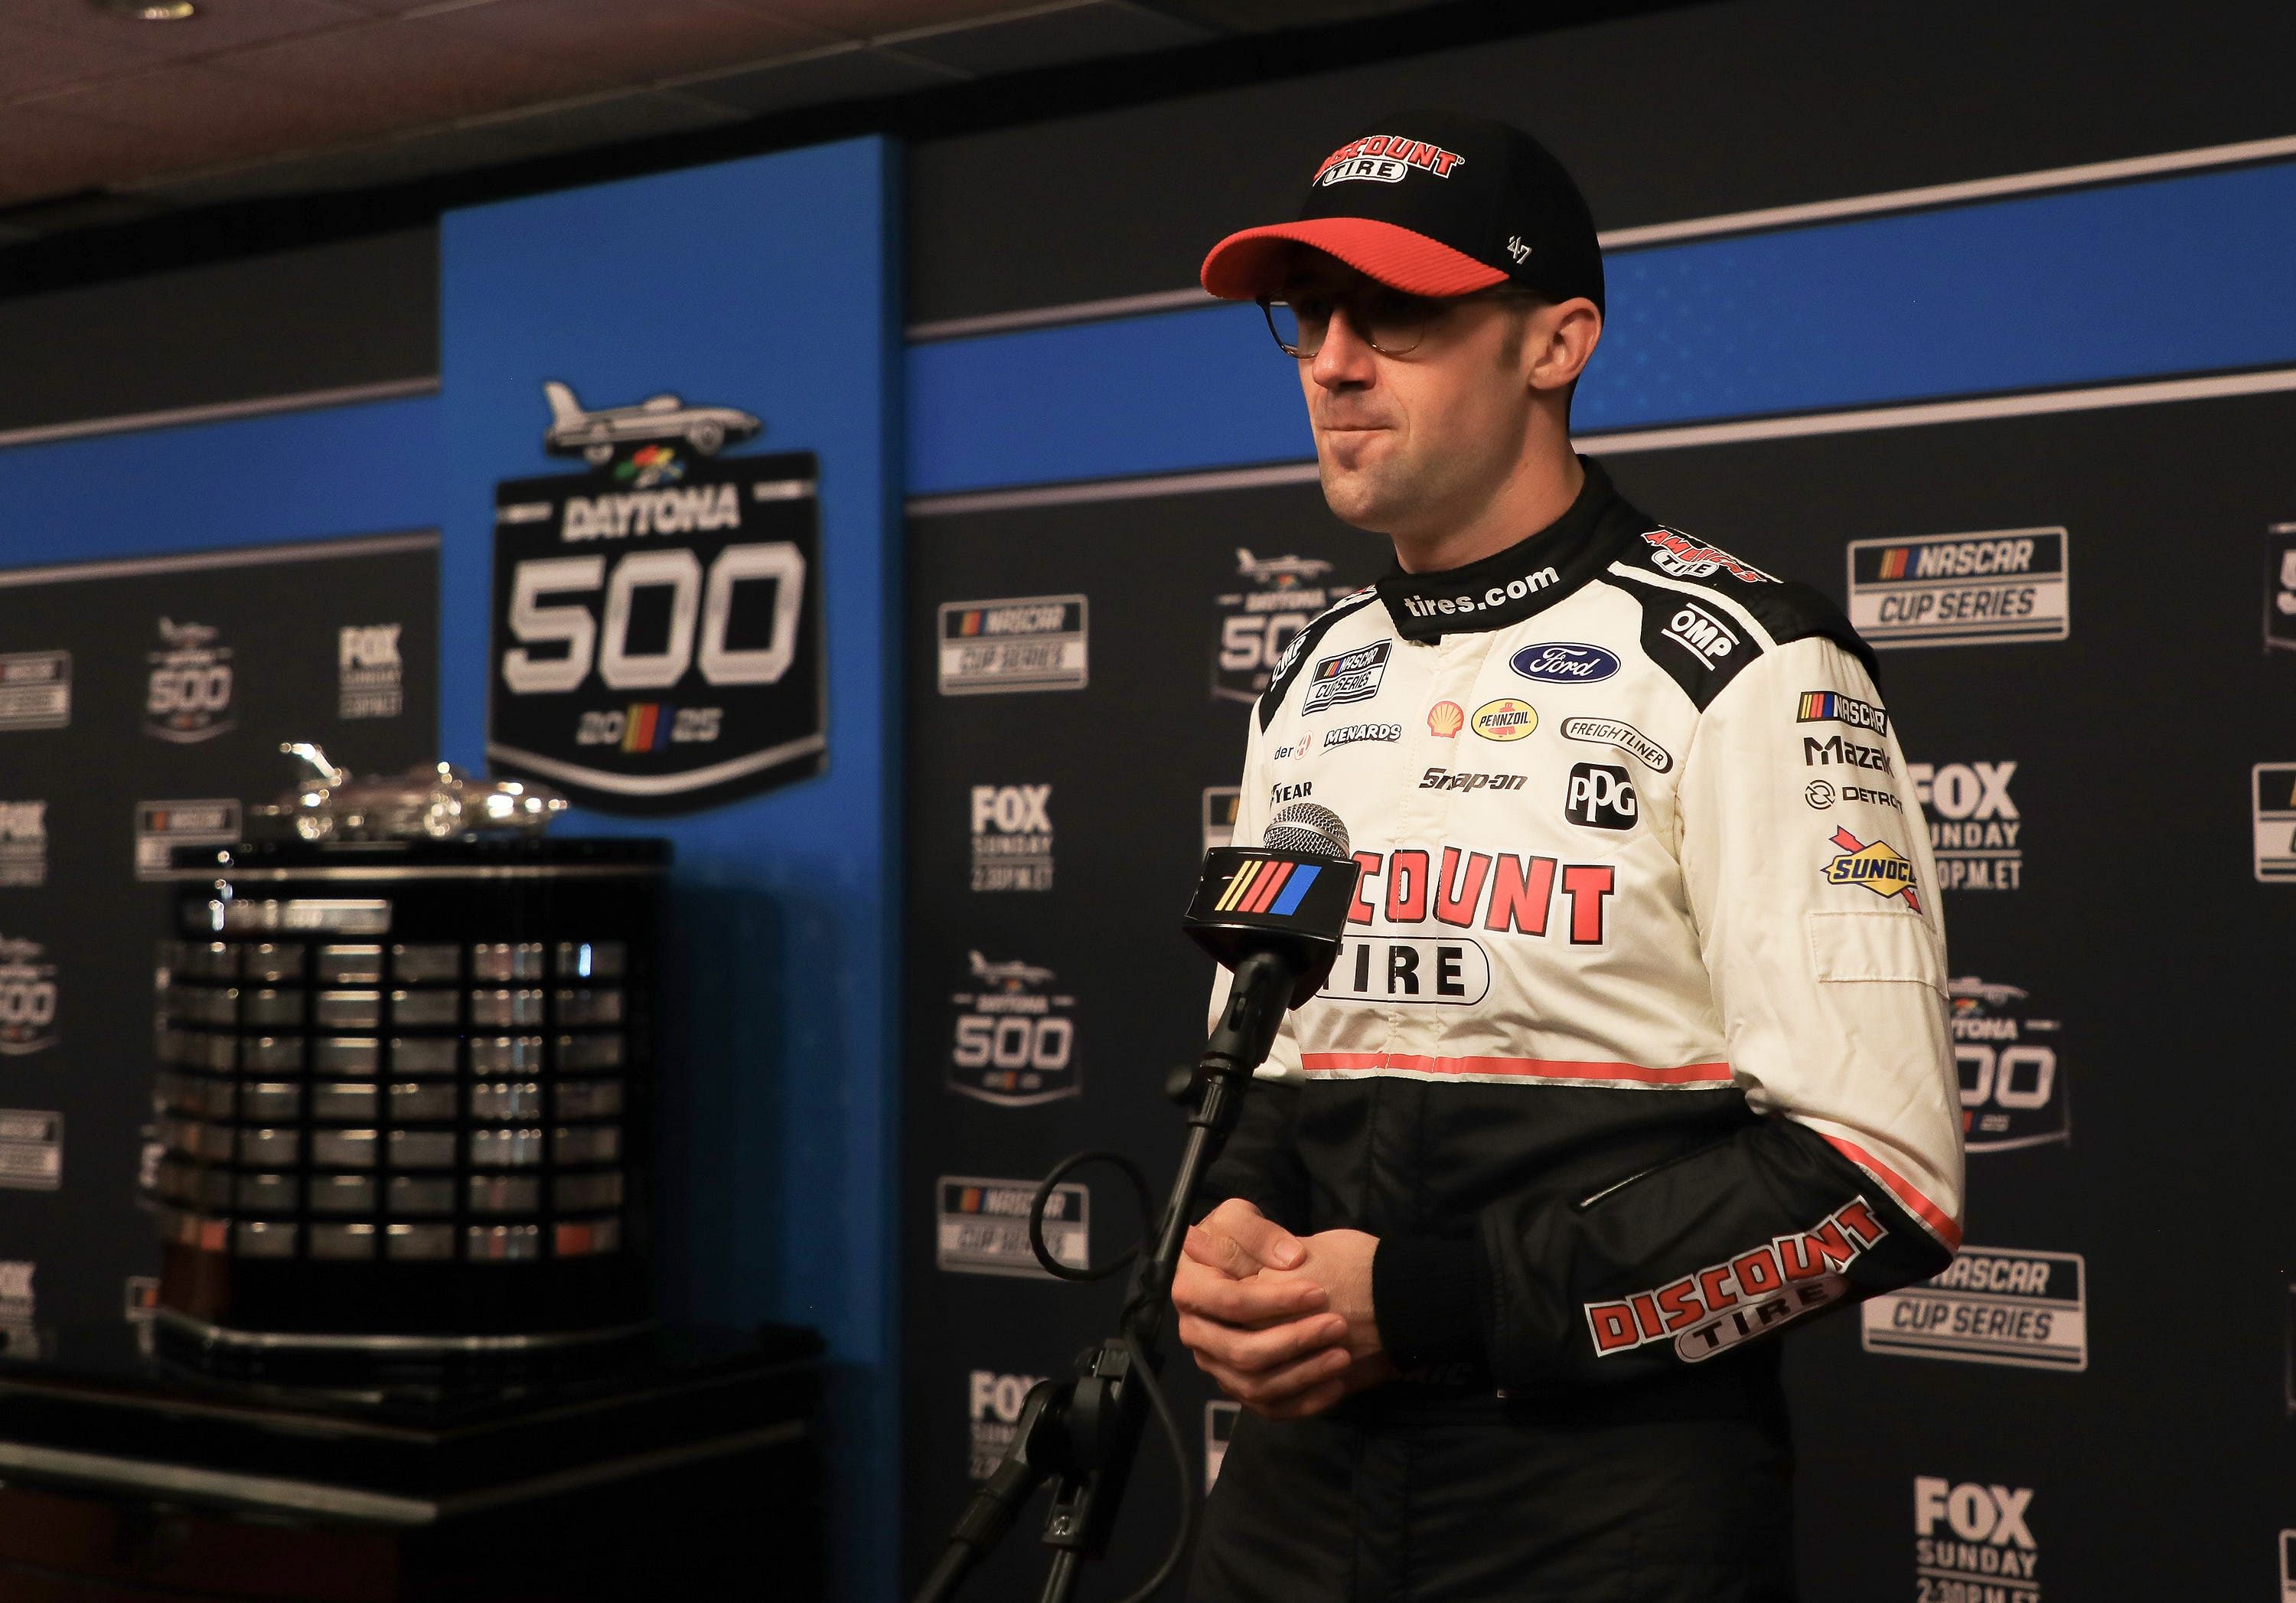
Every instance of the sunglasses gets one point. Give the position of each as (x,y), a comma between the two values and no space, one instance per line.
(1391,322)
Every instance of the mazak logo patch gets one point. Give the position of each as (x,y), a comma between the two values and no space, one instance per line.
(1991,1305)
(1613,732)
(1835,749)
(28,998)
(187,696)
(1702,634)
(1275,598)
(993,1402)
(24,843)
(1013,1039)
(1348,676)
(1961,589)
(981,1227)
(2011,1094)
(161,826)
(35,689)
(1877,866)
(369,673)
(1974,824)
(1675,553)
(1972,1540)
(1717,1307)
(1385,158)
(1012,837)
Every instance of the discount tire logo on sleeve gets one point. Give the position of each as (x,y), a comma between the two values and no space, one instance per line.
(657,643)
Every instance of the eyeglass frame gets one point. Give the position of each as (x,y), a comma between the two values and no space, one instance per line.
(1520,294)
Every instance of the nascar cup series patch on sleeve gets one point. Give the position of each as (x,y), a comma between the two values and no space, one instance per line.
(1349,676)
(1961,589)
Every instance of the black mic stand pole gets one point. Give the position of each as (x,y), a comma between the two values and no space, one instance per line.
(1083,1434)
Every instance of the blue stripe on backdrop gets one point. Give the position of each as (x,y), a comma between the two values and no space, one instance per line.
(249,482)
(2175,275)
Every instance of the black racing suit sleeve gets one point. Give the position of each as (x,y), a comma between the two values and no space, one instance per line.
(1830,985)
(1261,1162)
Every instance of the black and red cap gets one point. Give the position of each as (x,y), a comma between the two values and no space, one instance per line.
(1434,203)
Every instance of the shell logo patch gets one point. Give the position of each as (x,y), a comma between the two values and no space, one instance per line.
(1506,719)
(1876,865)
(1444,720)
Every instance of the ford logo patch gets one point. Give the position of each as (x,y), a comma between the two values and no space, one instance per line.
(1561,663)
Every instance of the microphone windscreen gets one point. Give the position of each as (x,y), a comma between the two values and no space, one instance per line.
(1306,828)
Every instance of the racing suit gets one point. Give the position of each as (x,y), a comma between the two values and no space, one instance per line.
(1637,1051)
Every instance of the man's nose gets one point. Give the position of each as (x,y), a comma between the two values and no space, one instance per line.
(1345,359)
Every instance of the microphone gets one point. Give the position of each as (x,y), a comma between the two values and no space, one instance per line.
(1273,914)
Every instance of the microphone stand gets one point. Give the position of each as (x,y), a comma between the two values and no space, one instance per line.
(1083,1434)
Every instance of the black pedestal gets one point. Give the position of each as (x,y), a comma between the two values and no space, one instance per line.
(690,1469)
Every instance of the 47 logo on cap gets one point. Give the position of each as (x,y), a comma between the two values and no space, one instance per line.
(1877,865)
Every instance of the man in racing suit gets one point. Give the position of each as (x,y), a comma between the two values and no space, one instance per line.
(1636,1047)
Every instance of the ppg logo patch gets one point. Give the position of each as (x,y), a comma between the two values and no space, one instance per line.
(1351,675)
(1601,796)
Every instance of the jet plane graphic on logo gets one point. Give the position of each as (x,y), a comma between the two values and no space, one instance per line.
(1009,976)
(1284,571)
(594,436)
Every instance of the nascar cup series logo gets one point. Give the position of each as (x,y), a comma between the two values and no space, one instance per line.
(368,671)
(1972,1542)
(1348,676)
(19,1336)
(28,998)
(1961,589)
(24,843)
(1991,1305)
(1022,642)
(1013,1041)
(982,1227)
(31,1149)
(2012,1095)
(1276,597)
(188,695)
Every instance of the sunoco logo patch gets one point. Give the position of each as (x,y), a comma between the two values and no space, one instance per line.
(1876,865)
(1991,1305)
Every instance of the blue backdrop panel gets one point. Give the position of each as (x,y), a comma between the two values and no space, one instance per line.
(762,284)
(2175,276)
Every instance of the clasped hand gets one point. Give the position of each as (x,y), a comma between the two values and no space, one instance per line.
(1283,1325)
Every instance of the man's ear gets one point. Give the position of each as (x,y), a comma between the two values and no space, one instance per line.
(1562,338)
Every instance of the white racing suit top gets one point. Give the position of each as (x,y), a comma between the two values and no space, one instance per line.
(1637,1045)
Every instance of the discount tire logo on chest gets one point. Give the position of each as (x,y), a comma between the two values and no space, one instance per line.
(659,649)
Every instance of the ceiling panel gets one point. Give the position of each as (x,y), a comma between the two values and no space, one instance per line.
(400,75)
(630,41)
(850,73)
(1066,33)
(220,25)
(33,57)
(868,19)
